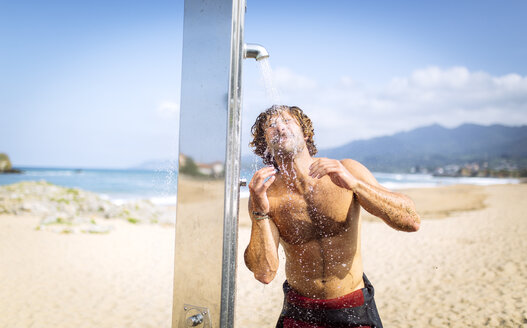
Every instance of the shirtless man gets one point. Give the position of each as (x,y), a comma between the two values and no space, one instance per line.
(311,206)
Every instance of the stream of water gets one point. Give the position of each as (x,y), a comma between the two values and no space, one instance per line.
(267,75)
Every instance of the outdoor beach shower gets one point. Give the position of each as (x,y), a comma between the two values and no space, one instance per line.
(209,154)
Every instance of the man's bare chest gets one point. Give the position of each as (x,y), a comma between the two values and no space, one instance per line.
(320,210)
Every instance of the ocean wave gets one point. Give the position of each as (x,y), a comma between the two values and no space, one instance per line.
(487,181)
(408,185)
(49,173)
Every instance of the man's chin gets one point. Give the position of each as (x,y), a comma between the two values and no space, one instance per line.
(285,152)
(285,148)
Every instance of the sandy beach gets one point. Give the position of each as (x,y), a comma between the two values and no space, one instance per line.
(466,267)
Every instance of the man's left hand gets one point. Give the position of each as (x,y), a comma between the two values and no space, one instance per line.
(334,169)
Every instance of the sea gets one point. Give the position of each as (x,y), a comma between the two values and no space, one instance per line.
(160,186)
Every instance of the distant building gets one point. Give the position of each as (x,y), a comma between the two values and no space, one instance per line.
(214,169)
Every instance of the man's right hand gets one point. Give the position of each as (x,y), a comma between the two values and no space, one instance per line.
(258,189)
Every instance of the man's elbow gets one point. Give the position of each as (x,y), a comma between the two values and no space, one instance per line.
(415,226)
(265,277)
(408,225)
(413,219)
(247,260)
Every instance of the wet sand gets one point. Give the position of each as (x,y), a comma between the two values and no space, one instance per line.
(466,267)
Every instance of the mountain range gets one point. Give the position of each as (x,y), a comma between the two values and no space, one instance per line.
(435,146)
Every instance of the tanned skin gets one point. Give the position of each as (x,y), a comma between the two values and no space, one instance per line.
(314,205)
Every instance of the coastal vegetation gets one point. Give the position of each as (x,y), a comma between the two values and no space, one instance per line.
(189,167)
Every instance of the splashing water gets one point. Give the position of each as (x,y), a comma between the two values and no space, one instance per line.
(267,76)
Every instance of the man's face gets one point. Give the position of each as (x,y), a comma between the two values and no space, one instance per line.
(284,135)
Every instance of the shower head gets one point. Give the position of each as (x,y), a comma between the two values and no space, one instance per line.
(253,50)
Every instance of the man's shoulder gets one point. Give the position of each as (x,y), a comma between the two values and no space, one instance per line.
(357,168)
(352,164)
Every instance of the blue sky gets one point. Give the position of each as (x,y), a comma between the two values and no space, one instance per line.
(96,84)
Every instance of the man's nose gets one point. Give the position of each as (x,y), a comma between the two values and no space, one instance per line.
(280,125)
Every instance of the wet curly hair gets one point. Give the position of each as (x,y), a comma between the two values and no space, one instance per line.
(258,131)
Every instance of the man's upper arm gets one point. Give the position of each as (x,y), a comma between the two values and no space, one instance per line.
(360,172)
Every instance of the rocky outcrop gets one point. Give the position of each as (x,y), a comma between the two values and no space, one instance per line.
(5,165)
(69,210)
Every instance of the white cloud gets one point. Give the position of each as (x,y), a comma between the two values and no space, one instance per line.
(346,110)
(168,109)
(287,80)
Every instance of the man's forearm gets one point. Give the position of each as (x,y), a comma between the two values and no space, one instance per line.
(395,209)
(261,256)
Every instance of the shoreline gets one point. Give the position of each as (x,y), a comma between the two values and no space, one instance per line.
(159,186)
